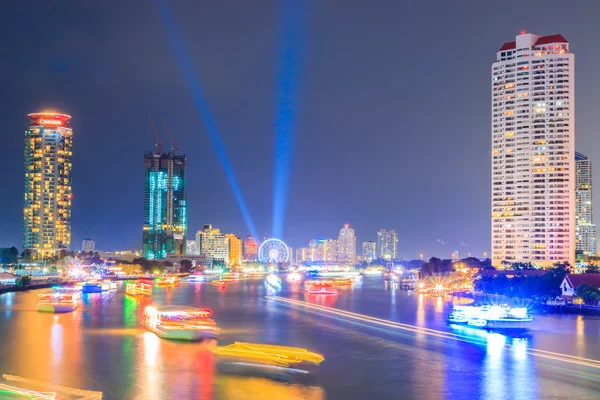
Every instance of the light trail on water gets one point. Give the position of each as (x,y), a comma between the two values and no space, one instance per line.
(329,311)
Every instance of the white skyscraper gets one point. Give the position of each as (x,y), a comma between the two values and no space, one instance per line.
(387,242)
(213,244)
(533,156)
(369,251)
(585,230)
(347,245)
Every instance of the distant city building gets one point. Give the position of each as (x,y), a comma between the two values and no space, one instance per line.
(235,249)
(165,204)
(346,243)
(369,251)
(585,229)
(533,151)
(455,256)
(190,247)
(88,246)
(303,254)
(48,190)
(330,250)
(125,255)
(213,244)
(250,249)
(316,250)
(387,242)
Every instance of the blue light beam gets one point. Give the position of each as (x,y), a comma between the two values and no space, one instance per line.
(293,21)
(182,56)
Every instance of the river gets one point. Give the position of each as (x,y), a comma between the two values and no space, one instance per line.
(103,347)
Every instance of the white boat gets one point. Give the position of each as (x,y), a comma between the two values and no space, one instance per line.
(59,300)
(274,281)
(195,278)
(491,317)
(180,322)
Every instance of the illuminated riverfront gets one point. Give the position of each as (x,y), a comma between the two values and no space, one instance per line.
(373,332)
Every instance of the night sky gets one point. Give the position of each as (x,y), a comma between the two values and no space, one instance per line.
(392,115)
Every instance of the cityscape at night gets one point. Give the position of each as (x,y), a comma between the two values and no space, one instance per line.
(289,199)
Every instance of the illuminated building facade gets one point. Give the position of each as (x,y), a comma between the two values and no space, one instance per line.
(303,254)
(48,189)
(250,250)
(165,204)
(346,252)
(211,243)
(585,229)
(533,151)
(235,249)
(387,243)
(369,251)
(190,247)
(330,250)
(455,256)
(88,246)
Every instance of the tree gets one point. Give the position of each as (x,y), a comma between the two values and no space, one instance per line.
(24,281)
(9,255)
(185,266)
(592,269)
(588,293)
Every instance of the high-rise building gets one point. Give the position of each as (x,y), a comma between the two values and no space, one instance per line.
(213,244)
(346,245)
(455,256)
(330,250)
(48,191)
(585,229)
(303,254)
(235,249)
(190,247)
(316,249)
(387,243)
(533,156)
(250,249)
(165,204)
(369,250)
(88,246)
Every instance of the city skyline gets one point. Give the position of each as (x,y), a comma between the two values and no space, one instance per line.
(417,217)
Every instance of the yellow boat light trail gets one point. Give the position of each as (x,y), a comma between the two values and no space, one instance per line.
(431,332)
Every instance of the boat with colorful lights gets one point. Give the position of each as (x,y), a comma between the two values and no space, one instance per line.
(166,280)
(320,287)
(274,281)
(180,322)
(294,277)
(98,286)
(266,360)
(139,288)
(195,278)
(59,300)
(492,317)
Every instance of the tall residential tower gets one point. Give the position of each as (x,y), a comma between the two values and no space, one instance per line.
(387,243)
(346,252)
(48,192)
(585,229)
(533,156)
(165,204)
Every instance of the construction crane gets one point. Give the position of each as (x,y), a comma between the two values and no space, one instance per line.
(173,146)
(159,143)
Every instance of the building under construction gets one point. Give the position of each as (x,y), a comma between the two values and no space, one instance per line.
(165,203)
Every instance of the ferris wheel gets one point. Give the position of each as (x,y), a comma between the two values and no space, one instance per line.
(273,251)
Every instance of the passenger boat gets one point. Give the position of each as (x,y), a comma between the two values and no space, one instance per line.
(491,317)
(320,287)
(98,286)
(180,322)
(166,281)
(59,300)
(294,277)
(138,288)
(274,281)
(195,278)
(343,282)
(264,359)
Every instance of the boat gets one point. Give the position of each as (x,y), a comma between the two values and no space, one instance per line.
(320,287)
(59,300)
(491,317)
(267,360)
(138,288)
(373,271)
(195,278)
(98,286)
(166,281)
(294,277)
(274,281)
(180,322)
(343,282)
